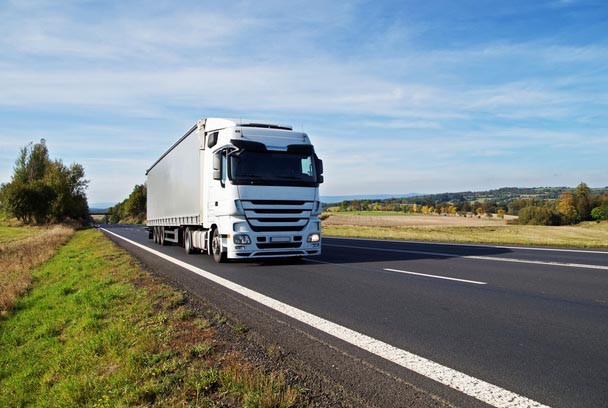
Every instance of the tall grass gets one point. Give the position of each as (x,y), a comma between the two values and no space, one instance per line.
(19,256)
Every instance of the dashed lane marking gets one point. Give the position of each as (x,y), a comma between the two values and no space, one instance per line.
(479,257)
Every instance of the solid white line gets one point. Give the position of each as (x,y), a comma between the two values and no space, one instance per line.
(436,276)
(481,257)
(483,391)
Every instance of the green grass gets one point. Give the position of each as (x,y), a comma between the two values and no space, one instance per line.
(585,235)
(95,330)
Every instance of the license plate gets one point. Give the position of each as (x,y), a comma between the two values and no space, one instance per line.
(280,239)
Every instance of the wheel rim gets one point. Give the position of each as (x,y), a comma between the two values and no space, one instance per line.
(215,244)
(188,242)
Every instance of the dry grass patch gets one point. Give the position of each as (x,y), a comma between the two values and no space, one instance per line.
(29,248)
(587,235)
(404,220)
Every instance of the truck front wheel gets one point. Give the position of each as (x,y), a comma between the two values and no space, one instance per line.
(188,242)
(216,247)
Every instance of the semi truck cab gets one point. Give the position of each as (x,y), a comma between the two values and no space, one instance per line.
(256,186)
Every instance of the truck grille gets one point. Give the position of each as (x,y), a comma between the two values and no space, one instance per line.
(280,215)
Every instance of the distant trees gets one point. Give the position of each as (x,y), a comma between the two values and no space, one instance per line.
(571,207)
(131,209)
(44,190)
(543,206)
(534,215)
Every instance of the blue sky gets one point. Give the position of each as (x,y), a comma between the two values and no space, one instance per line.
(398,97)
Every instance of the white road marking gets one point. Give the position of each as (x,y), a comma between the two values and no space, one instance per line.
(435,276)
(485,258)
(483,391)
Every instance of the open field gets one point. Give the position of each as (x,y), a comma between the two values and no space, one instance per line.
(96,330)
(9,234)
(466,230)
(387,219)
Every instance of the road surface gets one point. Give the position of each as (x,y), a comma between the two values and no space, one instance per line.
(469,325)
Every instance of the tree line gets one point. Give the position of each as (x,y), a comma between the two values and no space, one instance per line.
(44,191)
(570,207)
(131,210)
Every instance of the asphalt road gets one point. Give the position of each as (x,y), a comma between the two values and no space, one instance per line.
(530,321)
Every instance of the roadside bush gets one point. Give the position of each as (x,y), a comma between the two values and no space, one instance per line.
(600,213)
(534,215)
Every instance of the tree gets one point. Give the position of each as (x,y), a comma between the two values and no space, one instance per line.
(567,209)
(136,203)
(44,190)
(32,163)
(582,196)
(535,215)
(600,213)
(28,202)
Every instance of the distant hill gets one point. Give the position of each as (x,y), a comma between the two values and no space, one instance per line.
(337,199)
(100,206)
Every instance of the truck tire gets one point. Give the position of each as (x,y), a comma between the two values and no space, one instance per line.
(155,234)
(161,237)
(216,247)
(188,242)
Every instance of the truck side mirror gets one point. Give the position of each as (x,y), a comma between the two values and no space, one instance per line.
(319,164)
(217,166)
(212,139)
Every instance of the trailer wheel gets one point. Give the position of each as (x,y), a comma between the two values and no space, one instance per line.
(216,247)
(161,237)
(155,234)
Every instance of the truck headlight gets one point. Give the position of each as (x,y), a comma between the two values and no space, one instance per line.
(241,239)
(314,237)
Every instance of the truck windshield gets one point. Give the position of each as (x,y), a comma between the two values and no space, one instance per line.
(272,168)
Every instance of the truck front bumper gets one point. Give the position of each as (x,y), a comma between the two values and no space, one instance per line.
(243,243)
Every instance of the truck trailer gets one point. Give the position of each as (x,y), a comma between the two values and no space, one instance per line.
(237,190)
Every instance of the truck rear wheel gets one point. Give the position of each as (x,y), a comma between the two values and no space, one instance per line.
(161,237)
(216,247)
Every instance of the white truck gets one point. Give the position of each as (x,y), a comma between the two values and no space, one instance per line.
(237,190)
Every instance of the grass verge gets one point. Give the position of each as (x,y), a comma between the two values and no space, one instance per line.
(20,250)
(96,330)
(585,235)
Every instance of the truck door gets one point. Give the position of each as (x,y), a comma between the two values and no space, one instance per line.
(218,184)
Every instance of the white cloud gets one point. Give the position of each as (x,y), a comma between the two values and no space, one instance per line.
(383,99)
